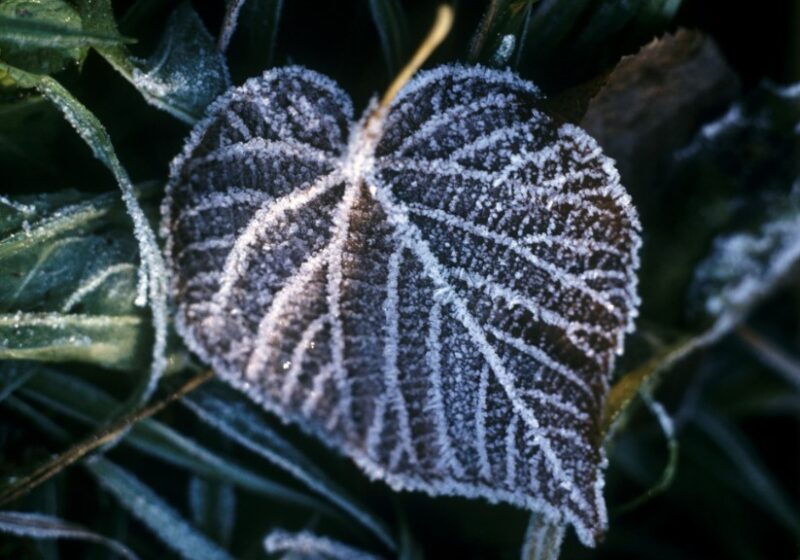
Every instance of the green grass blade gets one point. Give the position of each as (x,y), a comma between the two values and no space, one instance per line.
(213,508)
(136,498)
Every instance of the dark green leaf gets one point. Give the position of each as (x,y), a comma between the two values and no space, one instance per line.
(184,74)
(153,276)
(69,281)
(40,35)
(187,72)
(35,34)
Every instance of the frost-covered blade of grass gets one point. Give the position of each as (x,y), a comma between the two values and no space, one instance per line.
(41,34)
(153,275)
(308,545)
(237,419)
(229,23)
(38,526)
(85,403)
(213,507)
(27,224)
(112,341)
(144,504)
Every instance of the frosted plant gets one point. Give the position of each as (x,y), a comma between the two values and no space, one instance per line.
(437,290)
(746,266)
(307,545)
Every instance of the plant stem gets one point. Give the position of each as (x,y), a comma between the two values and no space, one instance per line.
(441,27)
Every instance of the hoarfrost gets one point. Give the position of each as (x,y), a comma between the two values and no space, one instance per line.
(38,526)
(438,291)
(186,72)
(232,9)
(504,51)
(308,545)
(745,267)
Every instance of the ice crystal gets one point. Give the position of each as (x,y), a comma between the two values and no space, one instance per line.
(438,290)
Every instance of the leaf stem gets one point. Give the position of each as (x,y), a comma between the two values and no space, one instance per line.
(441,27)
(98,439)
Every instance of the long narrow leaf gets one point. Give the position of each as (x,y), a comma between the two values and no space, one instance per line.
(153,276)
(137,498)
(27,32)
(83,402)
(38,526)
(12,376)
(72,218)
(213,507)
(390,21)
(241,423)
(144,504)
(109,341)
(308,545)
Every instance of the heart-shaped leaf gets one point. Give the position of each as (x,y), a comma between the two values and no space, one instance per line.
(438,291)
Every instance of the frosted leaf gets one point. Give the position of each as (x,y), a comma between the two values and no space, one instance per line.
(186,72)
(438,291)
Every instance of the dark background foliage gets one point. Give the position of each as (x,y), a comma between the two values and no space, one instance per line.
(736,489)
